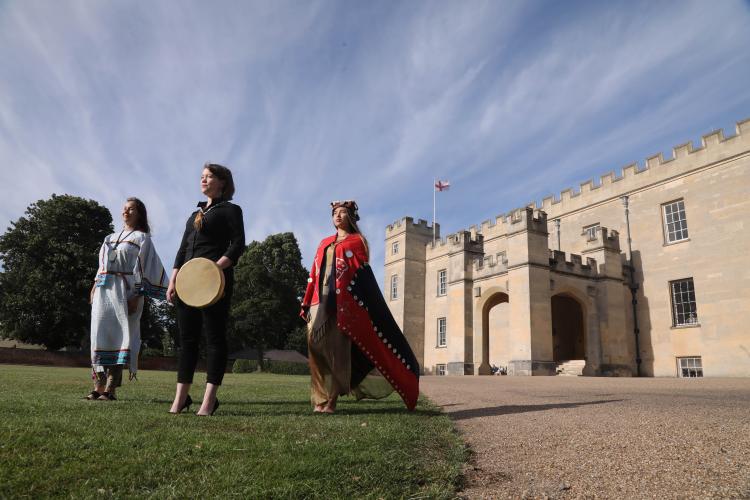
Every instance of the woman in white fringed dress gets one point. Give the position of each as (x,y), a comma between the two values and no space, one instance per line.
(129,269)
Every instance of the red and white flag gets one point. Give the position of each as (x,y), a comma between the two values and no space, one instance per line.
(442,186)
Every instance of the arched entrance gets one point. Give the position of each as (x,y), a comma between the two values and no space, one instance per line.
(493,300)
(568,332)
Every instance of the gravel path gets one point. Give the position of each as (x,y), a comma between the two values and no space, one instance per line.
(580,437)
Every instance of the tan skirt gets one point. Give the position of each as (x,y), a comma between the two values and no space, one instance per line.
(330,363)
(330,355)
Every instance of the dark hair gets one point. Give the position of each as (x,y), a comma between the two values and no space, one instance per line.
(142,221)
(224,175)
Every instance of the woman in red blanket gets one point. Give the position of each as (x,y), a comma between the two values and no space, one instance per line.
(354,344)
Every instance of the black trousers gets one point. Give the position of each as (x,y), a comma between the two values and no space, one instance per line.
(213,320)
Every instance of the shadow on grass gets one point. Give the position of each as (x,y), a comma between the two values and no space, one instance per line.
(513,409)
(250,407)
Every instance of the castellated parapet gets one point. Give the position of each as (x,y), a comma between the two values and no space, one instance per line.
(528,219)
(574,265)
(685,158)
(407,224)
(605,238)
(462,241)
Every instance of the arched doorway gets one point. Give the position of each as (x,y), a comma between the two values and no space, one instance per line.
(491,301)
(568,332)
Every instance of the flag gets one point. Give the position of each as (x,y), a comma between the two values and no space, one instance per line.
(442,186)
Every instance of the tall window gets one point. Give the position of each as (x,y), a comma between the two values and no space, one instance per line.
(684,311)
(394,248)
(442,282)
(502,259)
(440,369)
(690,367)
(590,231)
(394,287)
(442,339)
(675,221)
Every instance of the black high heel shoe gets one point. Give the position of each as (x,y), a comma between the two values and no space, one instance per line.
(93,395)
(186,404)
(216,407)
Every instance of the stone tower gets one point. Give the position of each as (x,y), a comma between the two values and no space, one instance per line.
(405,250)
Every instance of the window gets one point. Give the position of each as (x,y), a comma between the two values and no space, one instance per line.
(502,259)
(439,369)
(442,282)
(590,231)
(689,367)
(394,248)
(394,287)
(684,311)
(675,221)
(442,339)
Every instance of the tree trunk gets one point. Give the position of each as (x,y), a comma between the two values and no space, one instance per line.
(259,350)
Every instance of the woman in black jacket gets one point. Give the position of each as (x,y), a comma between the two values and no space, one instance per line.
(214,231)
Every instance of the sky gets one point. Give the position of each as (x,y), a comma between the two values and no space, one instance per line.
(309,102)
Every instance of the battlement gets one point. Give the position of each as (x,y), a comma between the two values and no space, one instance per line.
(460,241)
(685,158)
(609,239)
(574,265)
(407,224)
(498,226)
(529,219)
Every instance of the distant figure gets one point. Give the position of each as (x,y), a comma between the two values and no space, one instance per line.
(215,231)
(354,344)
(129,269)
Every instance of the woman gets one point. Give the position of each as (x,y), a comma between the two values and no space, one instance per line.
(129,269)
(354,344)
(214,231)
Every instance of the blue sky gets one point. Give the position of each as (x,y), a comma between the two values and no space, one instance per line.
(309,102)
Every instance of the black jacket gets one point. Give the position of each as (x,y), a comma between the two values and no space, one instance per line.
(222,234)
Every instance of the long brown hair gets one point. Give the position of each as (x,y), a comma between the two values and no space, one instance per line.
(354,229)
(142,221)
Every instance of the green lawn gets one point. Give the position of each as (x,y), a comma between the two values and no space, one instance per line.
(264,441)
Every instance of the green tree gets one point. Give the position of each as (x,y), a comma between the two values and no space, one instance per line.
(270,280)
(159,326)
(49,259)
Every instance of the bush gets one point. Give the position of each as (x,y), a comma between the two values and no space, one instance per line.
(245,366)
(151,352)
(278,367)
(288,368)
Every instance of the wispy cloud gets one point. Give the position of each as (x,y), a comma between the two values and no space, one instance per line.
(315,101)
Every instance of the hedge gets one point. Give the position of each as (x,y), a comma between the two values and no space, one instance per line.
(280,367)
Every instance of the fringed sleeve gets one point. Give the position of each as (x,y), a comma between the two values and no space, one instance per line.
(151,279)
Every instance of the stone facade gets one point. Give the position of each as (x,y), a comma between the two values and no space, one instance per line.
(549,283)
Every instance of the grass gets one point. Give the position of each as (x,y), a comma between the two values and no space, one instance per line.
(264,441)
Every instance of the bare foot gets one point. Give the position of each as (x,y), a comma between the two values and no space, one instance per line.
(330,407)
(319,408)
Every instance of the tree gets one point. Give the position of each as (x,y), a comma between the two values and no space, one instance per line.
(159,326)
(270,280)
(49,260)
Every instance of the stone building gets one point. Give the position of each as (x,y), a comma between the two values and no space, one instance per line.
(549,289)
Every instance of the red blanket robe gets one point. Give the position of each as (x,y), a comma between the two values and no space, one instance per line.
(362,315)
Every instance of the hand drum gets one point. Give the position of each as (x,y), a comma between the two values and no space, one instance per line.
(200,282)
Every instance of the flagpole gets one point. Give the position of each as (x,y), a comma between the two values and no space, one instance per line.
(434,181)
